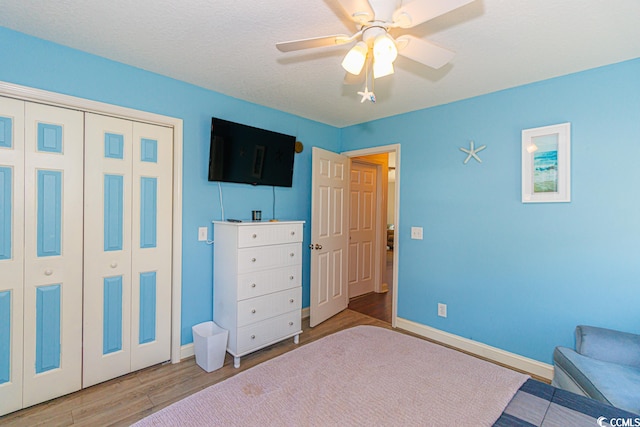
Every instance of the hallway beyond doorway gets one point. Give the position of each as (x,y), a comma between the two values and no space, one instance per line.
(377,305)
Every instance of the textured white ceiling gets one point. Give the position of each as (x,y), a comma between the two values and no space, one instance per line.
(229,47)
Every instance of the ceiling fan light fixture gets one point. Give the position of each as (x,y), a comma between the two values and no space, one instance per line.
(355,58)
(382,68)
(384,48)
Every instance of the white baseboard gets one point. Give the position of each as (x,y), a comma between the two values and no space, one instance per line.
(305,313)
(187,350)
(513,360)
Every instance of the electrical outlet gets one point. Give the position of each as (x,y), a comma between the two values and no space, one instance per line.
(416,233)
(202,234)
(442,310)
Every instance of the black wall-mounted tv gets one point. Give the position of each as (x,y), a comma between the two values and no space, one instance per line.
(245,154)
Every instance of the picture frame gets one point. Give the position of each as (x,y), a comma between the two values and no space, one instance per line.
(546,164)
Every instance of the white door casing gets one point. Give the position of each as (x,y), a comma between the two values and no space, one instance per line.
(362,228)
(393,148)
(329,234)
(53,252)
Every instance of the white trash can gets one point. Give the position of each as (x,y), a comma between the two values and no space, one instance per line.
(210,342)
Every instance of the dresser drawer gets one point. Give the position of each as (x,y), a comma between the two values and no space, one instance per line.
(265,257)
(251,285)
(271,330)
(269,234)
(260,308)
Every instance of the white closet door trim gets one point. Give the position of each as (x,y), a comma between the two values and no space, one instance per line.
(37,95)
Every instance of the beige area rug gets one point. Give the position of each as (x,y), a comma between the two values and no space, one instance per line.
(364,376)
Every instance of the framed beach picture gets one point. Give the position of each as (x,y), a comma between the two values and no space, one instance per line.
(546,164)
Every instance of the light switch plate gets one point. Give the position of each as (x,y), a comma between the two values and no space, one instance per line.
(442,310)
(416,233)
(202,234)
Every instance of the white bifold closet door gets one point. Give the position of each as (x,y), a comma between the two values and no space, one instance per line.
(11,252)
(127,262)
(53,252)
(41,157)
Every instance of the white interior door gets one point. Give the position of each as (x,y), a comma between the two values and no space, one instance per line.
(53,252)
(11,252)
(329,234)
(362,228)
(107,259)
(152,242)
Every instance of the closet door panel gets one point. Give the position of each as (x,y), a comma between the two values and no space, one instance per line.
(53,252)
(107,259)
(11,252)
(151,245)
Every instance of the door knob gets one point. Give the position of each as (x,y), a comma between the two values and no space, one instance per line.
(318,246)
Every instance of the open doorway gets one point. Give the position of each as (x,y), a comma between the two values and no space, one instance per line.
(373,241)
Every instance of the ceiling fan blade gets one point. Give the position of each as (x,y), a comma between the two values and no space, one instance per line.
(359,11)
(424,52)
(333,40)
(419,11)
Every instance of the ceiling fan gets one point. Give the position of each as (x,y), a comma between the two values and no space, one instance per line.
(377,48)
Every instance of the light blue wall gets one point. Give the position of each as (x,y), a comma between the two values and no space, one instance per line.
(520,276)
(40,64)
(514,276)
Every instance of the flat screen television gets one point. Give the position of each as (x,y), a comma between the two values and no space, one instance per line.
(245,154)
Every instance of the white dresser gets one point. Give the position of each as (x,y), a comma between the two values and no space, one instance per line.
(257,283)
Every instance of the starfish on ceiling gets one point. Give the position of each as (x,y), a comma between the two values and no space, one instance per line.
(472,152)
(366,95)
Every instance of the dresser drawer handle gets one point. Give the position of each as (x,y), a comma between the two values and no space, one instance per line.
(290,277)
(48,272)
(291,300)
(253,311)
(293,233)
(291,254)
(253,260)
(253,337)
(290,323)
(253,285)
(254,236)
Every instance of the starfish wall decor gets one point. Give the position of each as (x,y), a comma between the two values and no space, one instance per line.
(472,152)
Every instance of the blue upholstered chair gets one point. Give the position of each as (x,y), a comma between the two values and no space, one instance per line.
(605,366)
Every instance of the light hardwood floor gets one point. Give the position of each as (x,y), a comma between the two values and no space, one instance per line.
(127,399)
